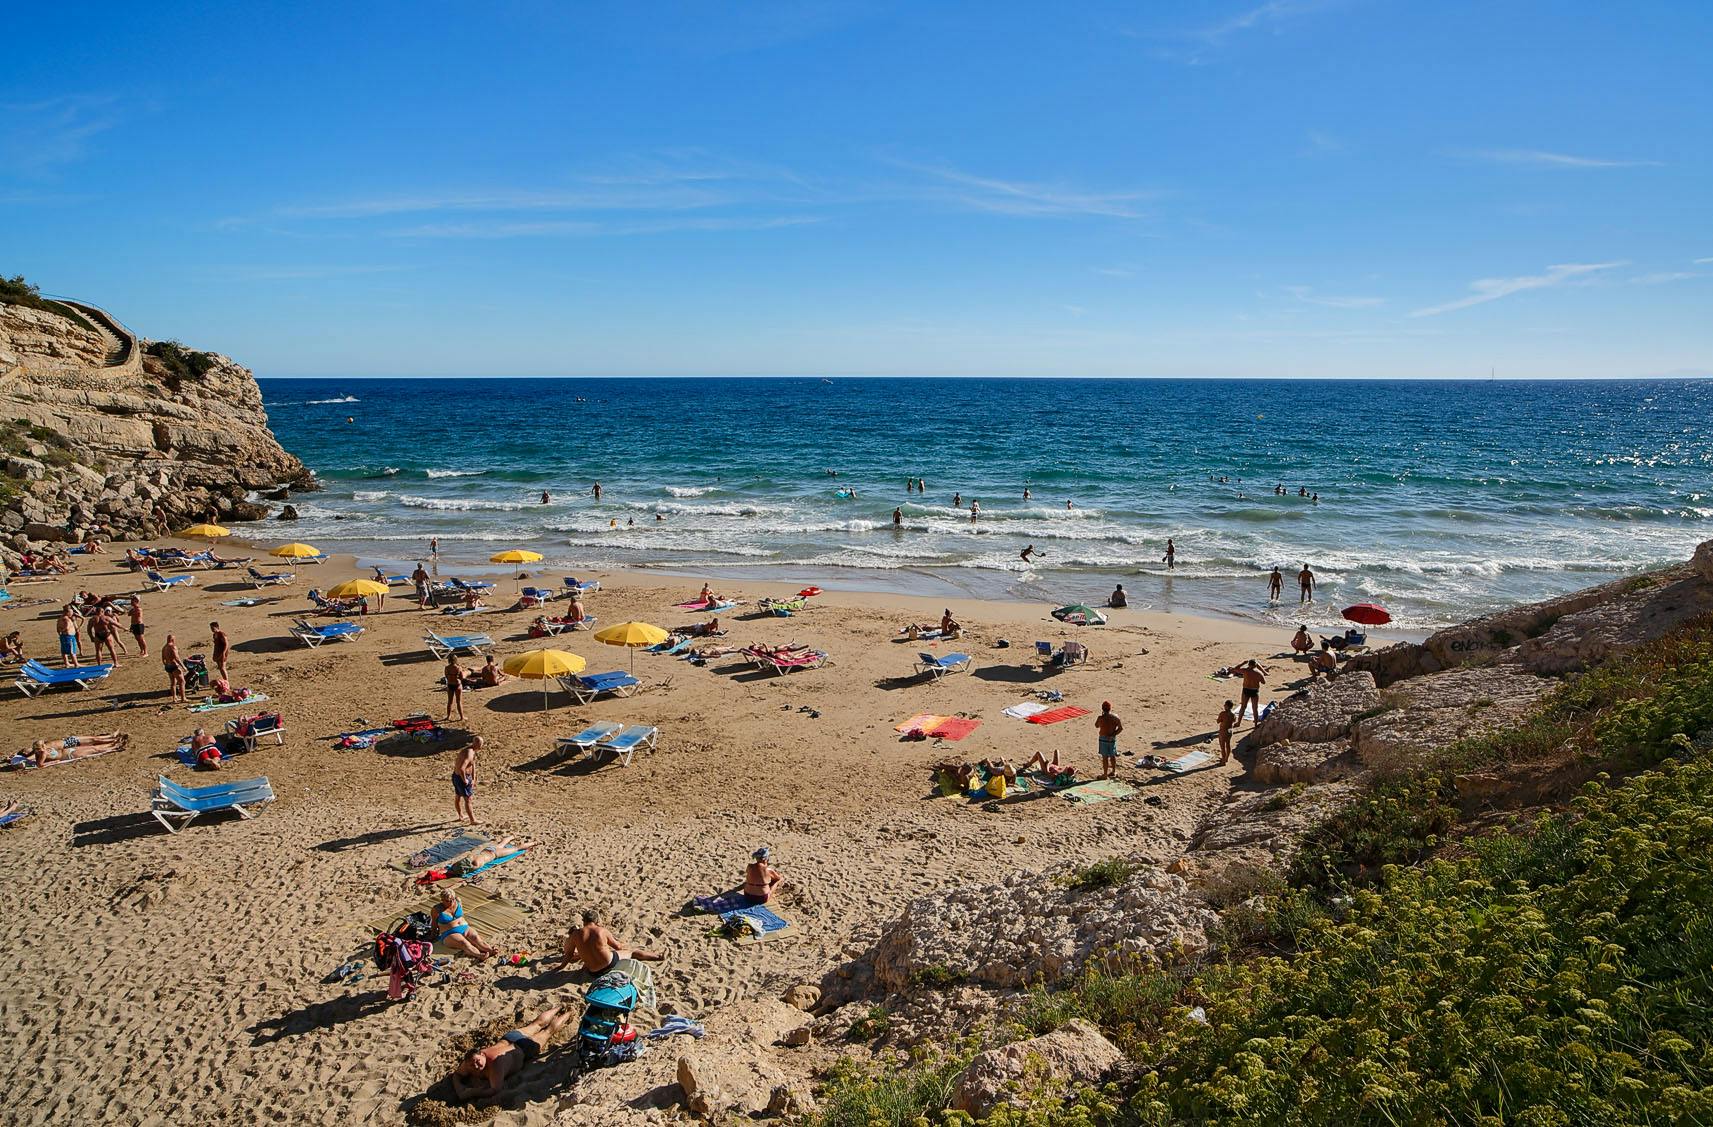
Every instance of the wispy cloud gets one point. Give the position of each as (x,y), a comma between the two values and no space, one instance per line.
(1270,14)
(586,228)
(37,138)
(1027,198)
(1664,276)
(1492,289)
(1540,158)
(1703,261)
(1307,294)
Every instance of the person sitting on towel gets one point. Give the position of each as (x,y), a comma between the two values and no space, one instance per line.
(949,627)
(457,935)
(761,879)
(205,750)
(598,949)
(486,677)
(1323,661)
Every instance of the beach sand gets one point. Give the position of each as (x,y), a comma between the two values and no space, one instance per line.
(170,979)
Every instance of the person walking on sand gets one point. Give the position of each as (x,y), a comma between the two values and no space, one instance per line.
(454,688)
(1227,721)
(464,780)
(174,665)
(1253,678)
(1275,585)
(138,630)
(419,579)
(222,649)
(1171,557)
(1107,726)
(67,628)
(598,949)
(1305,585)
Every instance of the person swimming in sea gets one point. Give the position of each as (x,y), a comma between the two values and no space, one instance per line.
(1026,553)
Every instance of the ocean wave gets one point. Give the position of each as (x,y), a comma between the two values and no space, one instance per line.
(340,399)
(433,474)
(689,490)
(370,495)
(462,504)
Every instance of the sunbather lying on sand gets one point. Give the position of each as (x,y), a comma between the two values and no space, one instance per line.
(708,629)
(598,949)
(915,630)
(470,862)
(485,1072)
(1053,769)
(43,752)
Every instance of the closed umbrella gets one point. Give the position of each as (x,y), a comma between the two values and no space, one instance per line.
(1368,614)
(631,635)
(206,531)
(543,666)
(358,589)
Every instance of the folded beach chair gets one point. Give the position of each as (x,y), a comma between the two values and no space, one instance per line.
(445,646)
(161,582)
(34,677)
(174,803)
(937,667)
(574,584)
(313,634)
(260,579)
(588,737)
(789,663)
(586,688)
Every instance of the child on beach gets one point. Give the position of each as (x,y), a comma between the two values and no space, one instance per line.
(1227,721)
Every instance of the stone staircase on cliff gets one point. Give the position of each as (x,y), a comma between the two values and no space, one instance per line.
(122,345)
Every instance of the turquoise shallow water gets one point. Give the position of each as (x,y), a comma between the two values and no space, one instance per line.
(1439,499)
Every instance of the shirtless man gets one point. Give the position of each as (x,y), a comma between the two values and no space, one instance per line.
(137,627)
(596,490)
(1275,585)
(483,1073)
(760,879)
(464,780)
(1107,726)
(454,676)
(67,628)
(948,625)
(489,676)
(1323,661)
(1253,678)
(1305,585)
(598,949)
(1026,553)
(897,518)
(1118,598)
(1170,559)
(222,649)
(1227,721)
(174,665)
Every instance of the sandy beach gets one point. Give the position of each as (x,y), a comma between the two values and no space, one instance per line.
(168,979)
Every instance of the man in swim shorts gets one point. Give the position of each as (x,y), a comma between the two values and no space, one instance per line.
(464,780)
(598,949)
(67,628)
(1253,678)
(484,1072)
(1107,726)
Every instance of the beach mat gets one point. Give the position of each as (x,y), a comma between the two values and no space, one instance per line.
(926,721)
(1053,716)
(1099,790)
(953,728)
(25,760)
(1190,761)
(441,852)
(7,821)
(772,923)
(1024,709)
(216,705)
(720,904)
(488,913)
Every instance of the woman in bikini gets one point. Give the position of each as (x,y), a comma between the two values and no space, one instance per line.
(455,934)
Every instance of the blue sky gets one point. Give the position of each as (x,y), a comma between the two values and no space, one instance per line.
(1288,188)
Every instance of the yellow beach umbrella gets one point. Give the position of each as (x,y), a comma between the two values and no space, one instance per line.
(295,551)
(357,589)
(206,531)
(631,635)
(543,665)
(515,555)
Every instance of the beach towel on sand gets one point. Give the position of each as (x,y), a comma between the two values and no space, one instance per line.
(721,904)
(439,853)
(1022,710)
(1053,716)
(953,728)
(213,705)
(1190,761)
(770,923)
(922,720)
(1099,790)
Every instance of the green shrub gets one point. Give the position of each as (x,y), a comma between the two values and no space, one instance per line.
(876,1023)
(937,977)
(181,363)
(891,1093)
(1109,873)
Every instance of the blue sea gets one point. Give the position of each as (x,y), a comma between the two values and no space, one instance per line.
(1440,500)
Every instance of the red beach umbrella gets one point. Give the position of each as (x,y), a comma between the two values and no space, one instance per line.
(1368,614)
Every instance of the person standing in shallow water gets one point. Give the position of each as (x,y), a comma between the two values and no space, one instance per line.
(596,490)
(897,518)
(1275,585)
(1171,556)
(1305,585)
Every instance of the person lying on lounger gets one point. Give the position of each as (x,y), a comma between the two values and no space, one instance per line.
(760,879)
(455,934)
(598,949)
(486,1071)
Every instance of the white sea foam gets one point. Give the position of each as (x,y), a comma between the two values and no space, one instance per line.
(340,399)
(366,495)
(689,490)
(461,504)
(433,474)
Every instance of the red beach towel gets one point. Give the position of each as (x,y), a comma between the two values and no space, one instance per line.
(1068,712)
(956,728)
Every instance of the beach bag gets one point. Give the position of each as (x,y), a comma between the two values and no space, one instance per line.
(417,927)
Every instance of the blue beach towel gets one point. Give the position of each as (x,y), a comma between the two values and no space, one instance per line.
(767,920)
(723,904)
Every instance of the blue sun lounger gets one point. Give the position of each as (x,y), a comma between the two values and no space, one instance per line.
(537,595)
(578,586)
(443,646)
(471,585)
(588,737)
(938,667)
(161,582)
(586,689)
(172,803)
(624,745)
(312,634)
(260,579)
(34,677)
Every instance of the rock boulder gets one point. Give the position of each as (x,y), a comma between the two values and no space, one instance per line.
(1074,1056)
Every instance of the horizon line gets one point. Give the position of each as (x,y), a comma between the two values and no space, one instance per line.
(1687,378)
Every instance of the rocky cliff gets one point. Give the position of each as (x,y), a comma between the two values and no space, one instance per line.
(140,447)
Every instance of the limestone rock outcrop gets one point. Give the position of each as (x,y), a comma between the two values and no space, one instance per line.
(135,448)
(1431,713)
(1075,1055)
(1322,711)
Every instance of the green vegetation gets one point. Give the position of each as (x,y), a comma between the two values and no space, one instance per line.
(876,1023)
(892,1093)
(1556,970)
(17,291)
(17,435)
(937,977)
(1109,873)
(181,363)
